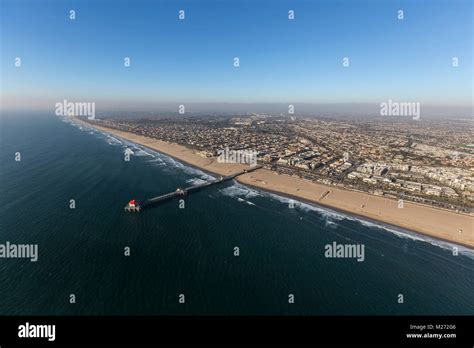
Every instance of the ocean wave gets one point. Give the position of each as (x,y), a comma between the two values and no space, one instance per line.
(330,224)
(81,127)
(239,190)
(186,168)
(195,171)
(306,207)
(139,152)
(331,217)
(196,181)
(113,141)
(244,201)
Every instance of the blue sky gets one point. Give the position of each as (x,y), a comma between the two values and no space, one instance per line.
(281,60)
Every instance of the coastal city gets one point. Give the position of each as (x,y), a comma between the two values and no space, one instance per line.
(429,162)
(287,171)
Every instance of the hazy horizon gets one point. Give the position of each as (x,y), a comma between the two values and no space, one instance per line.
(301,109)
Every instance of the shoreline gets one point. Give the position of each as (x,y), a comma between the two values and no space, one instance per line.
(349,215)
(426,221)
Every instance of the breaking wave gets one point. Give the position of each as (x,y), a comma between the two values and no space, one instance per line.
(239,190)
(331,218)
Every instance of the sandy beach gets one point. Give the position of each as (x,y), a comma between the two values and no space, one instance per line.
(437,223)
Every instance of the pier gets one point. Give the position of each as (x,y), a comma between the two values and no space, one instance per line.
(135,206)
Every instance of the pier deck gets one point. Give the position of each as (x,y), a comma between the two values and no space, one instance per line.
(181,192)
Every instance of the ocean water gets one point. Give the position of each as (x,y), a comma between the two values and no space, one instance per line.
(190,251)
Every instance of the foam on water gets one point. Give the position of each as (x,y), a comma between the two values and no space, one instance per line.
(196,181)
(331,216)
(244,201)
(305,207)
(141,152)
(239,190)
(330,224)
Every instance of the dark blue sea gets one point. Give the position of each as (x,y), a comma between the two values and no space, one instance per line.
(190,251)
